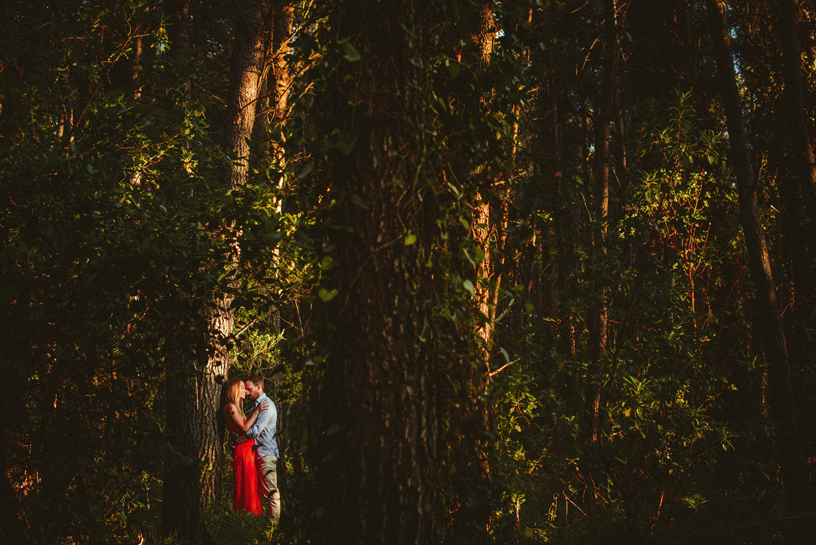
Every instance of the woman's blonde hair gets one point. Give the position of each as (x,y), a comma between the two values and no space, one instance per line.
(233,387)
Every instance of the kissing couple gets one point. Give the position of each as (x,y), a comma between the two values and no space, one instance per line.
(255,455)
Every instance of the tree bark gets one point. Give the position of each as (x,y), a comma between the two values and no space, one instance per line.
(380,471)
(181,498)
(283,17)
(244,87)
(220,318)
(795,112)
(272,105)
(780,393)
(798,185)
(486,229)
(599,320)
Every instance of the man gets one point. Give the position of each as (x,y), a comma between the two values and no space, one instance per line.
(266,446)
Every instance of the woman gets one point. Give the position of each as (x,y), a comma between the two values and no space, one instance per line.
(246,496)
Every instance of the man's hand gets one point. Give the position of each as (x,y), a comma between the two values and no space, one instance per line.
(235,441)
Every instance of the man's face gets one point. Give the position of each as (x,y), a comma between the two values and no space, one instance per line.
(253,391)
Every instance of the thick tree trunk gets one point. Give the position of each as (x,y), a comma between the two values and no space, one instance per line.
(795,113)
(780,393)
(798,186)
(181,498)
(210,423)
(380,472)
(244,87)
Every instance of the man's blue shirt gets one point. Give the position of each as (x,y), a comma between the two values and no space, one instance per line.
(265,428)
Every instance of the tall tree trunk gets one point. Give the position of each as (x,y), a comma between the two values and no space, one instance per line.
(563,225)
(548,170)
(272,105)
(380,472)
(245,82)
(284,15)
(795,113)
(599,320)
(220,318)
(486,222)
(780,393)
(136,177)
(273,109)
(798,187)
(181,498)
(244,87)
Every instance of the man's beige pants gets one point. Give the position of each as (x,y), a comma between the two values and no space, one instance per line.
(268,478)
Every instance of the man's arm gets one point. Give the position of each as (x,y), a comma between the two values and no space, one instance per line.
(263,421)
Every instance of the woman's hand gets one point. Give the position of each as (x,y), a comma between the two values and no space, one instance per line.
(264,406)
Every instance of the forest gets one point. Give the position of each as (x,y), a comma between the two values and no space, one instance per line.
(514,271)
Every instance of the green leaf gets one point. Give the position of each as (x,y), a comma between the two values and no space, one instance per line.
(358,201)
(410,239)
(352,55)
(327,263)
(334,428)
(467,255)
(410,32)
(453,68)
(303,172)
(327,295)
(468,285)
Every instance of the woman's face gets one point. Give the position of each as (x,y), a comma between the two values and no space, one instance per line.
(242,391)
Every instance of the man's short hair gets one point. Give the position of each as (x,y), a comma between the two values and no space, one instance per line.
(256,379)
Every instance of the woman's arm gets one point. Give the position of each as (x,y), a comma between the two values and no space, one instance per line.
(231,415)
(251,420)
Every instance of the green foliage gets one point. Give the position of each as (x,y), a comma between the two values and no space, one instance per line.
(226,527)
(117,232)
(663,381)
